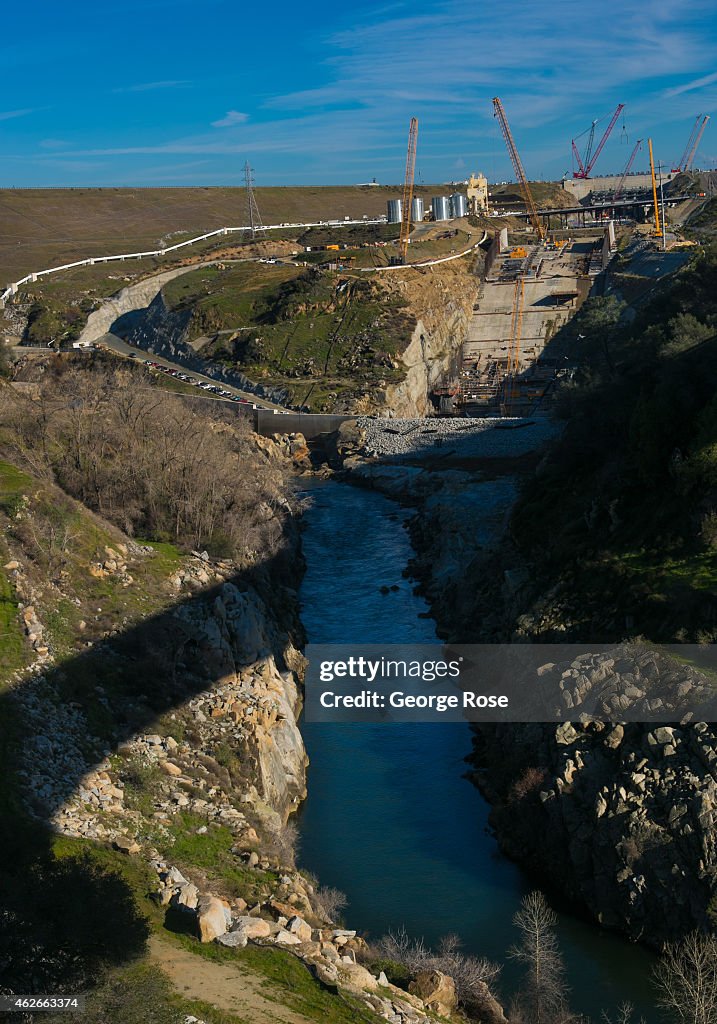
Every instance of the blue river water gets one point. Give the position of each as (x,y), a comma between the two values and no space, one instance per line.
(390,819)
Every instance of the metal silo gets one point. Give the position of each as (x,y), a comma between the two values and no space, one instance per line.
(441,208)
(459,205)
(417,210)
(394,209)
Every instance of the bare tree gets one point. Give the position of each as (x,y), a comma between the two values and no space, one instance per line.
(413,954)
(544,999)
(686,979)
(624,1015)
(330,902)
(472,975)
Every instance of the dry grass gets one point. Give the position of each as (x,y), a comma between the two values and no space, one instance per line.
(47,227)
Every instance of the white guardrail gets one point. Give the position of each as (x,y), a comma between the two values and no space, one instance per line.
(12,289)
(91,260)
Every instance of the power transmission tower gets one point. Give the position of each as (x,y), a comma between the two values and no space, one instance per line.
(253,217)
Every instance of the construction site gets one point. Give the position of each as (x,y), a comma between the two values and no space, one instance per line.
(507,365)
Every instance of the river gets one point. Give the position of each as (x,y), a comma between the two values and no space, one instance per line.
(389,818)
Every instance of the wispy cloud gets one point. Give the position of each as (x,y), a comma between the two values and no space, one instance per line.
(230,119)
(7,115)
(151,86)
(696,83)
(53,144)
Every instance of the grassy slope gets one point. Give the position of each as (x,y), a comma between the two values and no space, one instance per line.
(320,334)
(285,980)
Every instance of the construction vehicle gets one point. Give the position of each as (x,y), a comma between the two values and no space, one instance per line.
(518,253)
(693,142)
(588,161)
(520,175)
(404,238)
(628,166)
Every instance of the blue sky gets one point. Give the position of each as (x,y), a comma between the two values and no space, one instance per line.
(181,92)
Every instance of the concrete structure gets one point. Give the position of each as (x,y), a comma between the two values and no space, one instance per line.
(555,281)
(441,207)
(310,424)
(477,193)
(394,211)
(418,210)
(581,187)
(459,205)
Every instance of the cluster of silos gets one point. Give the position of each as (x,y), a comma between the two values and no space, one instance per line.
(394,210)
(448,207)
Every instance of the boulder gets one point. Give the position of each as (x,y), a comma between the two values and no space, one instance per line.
(285,938)
(252,927)
(169,768)
(356,976)
(188,896)
(236,940)
(211,919)
(437,991)
(126,845)
(299,927)
(327,974)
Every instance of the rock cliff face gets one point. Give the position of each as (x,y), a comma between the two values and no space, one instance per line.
(621,819)
(442,300)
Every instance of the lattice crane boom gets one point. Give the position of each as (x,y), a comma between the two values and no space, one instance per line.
(586,166)
(696,143)
(518,168)
(658,229)
(618,191)
(682,165)
(408,190)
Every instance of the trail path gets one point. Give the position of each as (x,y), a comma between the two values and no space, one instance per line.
(229,987)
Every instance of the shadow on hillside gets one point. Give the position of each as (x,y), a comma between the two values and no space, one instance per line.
(63,915)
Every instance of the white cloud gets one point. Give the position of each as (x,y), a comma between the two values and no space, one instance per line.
(230,119)
(6,115)
(696,83)
(151,86)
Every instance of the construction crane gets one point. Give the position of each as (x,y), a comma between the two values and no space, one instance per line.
(510,389)
(535,220)
(682,163)
(693,142)
(658,228)
(408,190)
(585,166)
(691,155)
(628,166)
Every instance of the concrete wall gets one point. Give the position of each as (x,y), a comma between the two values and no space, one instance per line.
(581,187)
(310,424)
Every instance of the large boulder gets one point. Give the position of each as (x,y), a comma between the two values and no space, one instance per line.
(297,926)
(252,927)
(437,991)
(211,918)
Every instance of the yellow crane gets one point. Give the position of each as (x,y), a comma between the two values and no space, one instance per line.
(510,390)
(408,190)
(658,228)
(535,220)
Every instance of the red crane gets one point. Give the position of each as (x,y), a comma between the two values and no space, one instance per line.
(618,191)
(586,166)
